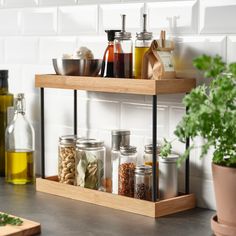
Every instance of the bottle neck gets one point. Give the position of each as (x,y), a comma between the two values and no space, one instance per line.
(110,43)
(3,86)
(20,106)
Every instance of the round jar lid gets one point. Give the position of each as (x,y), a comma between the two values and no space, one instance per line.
(144,35)
(120,132)
(89,143)
(67,139)
(149,148)
(123,35)
(171,158)
(126,150)
(143,169)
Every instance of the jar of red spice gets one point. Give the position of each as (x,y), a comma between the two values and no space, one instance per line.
(127,164)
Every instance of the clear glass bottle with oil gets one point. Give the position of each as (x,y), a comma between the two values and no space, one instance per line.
(6,100)
(142,44)
(19,147)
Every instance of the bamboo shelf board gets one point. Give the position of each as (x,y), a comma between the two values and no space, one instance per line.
(116,85)
(26,229)
(146,208)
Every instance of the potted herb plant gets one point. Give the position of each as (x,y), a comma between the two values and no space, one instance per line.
(212,115)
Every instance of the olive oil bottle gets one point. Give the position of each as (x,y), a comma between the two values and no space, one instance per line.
(6,100)
(19,146)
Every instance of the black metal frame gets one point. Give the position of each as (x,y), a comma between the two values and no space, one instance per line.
(154,142)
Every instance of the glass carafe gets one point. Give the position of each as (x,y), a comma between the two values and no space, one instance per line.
(19,146)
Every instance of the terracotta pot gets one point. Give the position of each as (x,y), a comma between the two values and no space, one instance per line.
(224,179)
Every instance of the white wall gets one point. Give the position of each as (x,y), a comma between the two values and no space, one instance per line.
(34,31)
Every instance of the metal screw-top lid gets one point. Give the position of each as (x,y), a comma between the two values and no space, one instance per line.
(127,150)
(144,35)
(89,143)
(172,158)
(149,148)
(68,139)
(120,138)
(123,34)
(143,169)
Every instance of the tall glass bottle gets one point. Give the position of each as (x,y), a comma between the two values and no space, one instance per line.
(142,44)
(6,100)
(123,53)
(108,58)
(19,146)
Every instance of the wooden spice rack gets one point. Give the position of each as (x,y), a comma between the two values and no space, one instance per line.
(115,85)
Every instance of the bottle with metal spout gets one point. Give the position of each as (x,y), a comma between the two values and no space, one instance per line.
(123,53)
(142,44)
(6,100)
(19,146)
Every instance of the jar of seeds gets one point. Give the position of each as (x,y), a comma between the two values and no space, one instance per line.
(143,182)
(127,164)
(66,159)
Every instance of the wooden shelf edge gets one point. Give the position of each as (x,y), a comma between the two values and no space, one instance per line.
(146,208)
(116,85)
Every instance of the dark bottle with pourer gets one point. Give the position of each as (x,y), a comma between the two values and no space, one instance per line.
(6,100)
(108,58)
(123,53)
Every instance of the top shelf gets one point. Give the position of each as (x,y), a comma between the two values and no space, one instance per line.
(116,85)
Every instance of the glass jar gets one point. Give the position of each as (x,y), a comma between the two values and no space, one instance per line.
(66,159)
(90,164)
(148,151)
(123,53)
(143,182)
(119,138)
(127,164)
(20,146)
(142,44)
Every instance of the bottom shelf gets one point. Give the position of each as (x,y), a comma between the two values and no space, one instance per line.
(146,208)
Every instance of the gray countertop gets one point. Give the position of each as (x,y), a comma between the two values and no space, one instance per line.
(64,217)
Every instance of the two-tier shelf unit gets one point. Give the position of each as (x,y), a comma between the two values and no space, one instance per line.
(123,86)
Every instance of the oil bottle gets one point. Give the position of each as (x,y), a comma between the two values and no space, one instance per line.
(142,44)
(108,58)
(19,146)
(6,100)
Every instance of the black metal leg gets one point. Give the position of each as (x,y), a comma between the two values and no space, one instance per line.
(42,133)
(154,143)
(75,112)
(187,164)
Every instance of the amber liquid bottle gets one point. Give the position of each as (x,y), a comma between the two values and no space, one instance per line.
(108,58)
(6,100)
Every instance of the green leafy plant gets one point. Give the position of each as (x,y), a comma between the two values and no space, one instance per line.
(5,219)
(212,111)
(166,149)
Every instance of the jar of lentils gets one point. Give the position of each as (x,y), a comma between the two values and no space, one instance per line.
(90,164)
(127,164)
(143,182)
(66,159)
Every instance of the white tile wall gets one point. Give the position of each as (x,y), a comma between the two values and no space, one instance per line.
(55,47)
(231,49)
(32,33)
(176,17)
(110,16)
(9,22)
(21,50)
(77,20)
(39,21)
(20,3)
(217,16)
(57,2)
